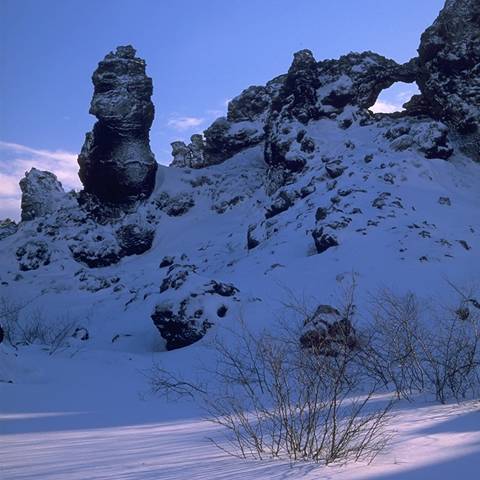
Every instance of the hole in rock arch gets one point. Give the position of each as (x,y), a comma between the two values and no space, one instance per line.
(392,99)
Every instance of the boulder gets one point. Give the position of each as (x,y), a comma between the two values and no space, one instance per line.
(7,227)
(328,333)
(42,194)
(190,305)
(116,163)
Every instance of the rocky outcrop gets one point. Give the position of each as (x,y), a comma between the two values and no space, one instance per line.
(190,305)
(314,90)
(449,69)
(101,245)
(191,155)
(33,255)
(242,128)
(7,227)
(42,194)
(116,163)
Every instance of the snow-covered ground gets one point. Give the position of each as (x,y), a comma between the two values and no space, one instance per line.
(91,416)
(86,412)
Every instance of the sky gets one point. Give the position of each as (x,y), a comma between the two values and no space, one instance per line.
(200,54)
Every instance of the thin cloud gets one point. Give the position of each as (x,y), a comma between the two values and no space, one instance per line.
(185,123)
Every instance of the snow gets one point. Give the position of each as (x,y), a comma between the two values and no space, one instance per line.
(86,411)
(83,430)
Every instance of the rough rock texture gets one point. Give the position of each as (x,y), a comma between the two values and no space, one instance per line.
(190,305)
(313,90)
(449,69)
(102,246)
(7,227)
(42,194)
(191,155)
(327,333)
(116,163)
(32,255)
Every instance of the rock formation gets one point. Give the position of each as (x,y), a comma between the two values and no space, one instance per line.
(42,194)
(116,163)
(449,69)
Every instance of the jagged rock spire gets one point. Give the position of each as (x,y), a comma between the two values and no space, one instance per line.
(116,163)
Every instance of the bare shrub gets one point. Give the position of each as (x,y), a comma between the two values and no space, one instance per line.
(27,328)
(275,398)
(421,346)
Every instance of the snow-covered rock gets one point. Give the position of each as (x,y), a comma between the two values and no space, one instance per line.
(449,70)
(116,163)
(42,194)
(190,305)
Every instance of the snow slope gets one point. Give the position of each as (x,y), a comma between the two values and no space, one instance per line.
(85,411)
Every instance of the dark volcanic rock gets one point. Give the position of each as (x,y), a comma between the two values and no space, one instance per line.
(249,105)
(116,163)
(223,139)
(449,75)
(32,255)
(135,240)
(323,240)
(7,227)
(177,327)
(191,155)
(327,333)
(42,194)
(190,306)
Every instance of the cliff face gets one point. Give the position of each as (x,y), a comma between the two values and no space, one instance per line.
(116,163)
(449,70)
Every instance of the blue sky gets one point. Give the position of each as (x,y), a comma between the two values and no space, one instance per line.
(199,54)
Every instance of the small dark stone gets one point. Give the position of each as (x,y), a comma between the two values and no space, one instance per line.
(167,261)
(323,241)
(321,214)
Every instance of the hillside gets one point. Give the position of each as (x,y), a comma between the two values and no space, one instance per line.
(299,190)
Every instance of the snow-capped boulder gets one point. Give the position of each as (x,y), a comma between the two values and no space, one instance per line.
(99,246)
(190,305)
(42,194)
(449,75)
(428,137)
(116,163)
(327,333)
(7,227)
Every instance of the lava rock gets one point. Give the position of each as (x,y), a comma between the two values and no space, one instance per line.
(134,239)
(177,327)
(191,155)
(282,203)
(42,194)
(190,306)
(249,105)
(449,69)
(7,227)
(81,333)
(323,240)
(327,333)
(33,255)
(116,163)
